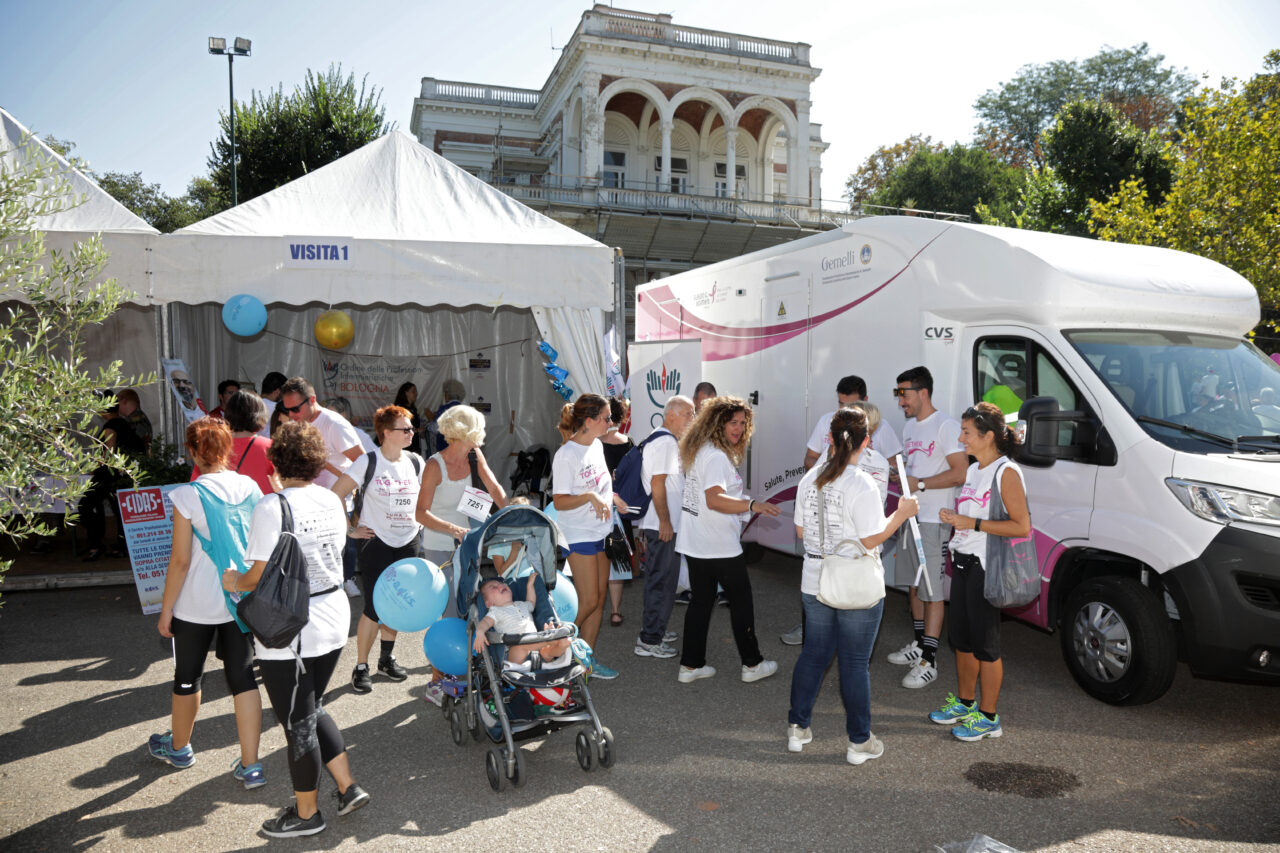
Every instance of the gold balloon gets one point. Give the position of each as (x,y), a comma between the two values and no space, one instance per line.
(334,329)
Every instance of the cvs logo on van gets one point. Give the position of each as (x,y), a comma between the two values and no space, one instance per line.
(940,333)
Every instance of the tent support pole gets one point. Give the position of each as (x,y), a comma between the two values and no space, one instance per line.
(620,306)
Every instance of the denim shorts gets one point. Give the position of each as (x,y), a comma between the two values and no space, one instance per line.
(585,549)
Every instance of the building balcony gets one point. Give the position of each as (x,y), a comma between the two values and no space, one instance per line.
(455,91)
(607,22)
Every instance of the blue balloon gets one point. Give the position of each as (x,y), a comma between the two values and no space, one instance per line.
(445,645)
(565,598)
(410,594)
(244,315)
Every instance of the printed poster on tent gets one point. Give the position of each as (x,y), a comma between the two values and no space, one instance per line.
(659,371)
(184,390)
(146,516)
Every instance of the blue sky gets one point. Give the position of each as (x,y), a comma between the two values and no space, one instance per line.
(132,84)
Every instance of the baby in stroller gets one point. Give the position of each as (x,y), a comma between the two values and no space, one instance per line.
(507,616)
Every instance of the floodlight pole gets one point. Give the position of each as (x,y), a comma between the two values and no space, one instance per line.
(231,85)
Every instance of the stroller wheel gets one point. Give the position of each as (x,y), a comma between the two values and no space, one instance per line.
(582,746)
(604,748)
(455,727)
(517,774)
(494,769)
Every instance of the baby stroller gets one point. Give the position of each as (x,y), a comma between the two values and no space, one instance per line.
(500,702)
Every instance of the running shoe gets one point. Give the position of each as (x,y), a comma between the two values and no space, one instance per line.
(388,667)
(976,726)
(794,637)
(857,753)
(654,650)
(683,597)
(252,776)
(161,747)
(434,693)
(951,712)
(361,680)
(354,798)
(670,637)
(287,824)
(599,670)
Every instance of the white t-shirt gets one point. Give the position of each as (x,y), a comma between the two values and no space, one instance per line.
(884,439)
(854,508)
(878,467)
(704,532)
(201,599)
(662,456)
(927,444)
(514,618)
(578,469)
(320,524)
(339,436)
(389,506)
(975,502)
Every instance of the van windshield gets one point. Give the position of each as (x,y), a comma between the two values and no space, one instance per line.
(1199,393)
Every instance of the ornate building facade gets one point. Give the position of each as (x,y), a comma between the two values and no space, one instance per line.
(682,146)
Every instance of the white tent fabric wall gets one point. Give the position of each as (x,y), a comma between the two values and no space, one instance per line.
(442,337)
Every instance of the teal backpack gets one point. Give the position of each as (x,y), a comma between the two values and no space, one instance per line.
(229,524)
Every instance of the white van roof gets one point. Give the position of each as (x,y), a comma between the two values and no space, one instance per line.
(980,272)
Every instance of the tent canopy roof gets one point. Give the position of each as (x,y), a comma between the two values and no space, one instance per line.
(97,212)
(391,189)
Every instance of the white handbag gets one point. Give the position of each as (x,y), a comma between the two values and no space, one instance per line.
(848,583)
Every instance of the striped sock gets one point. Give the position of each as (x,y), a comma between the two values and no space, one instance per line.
(929,649)
(917,625)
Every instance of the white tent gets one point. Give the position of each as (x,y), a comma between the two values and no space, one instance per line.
(427,259)
(84,210)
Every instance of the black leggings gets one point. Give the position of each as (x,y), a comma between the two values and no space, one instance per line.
(374,557)
(731,574)
(313,736)
(191,641)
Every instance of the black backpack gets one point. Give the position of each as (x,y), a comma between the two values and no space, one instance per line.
(278,609)
(628,483)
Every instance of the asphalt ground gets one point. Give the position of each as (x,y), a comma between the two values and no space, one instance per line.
(85,678)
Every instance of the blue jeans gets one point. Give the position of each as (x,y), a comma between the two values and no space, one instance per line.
(850,635)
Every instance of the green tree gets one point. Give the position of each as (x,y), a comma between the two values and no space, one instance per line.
(1090,149)
(282,137)
(954,180)
(875,170)
(1013,116)
(163,212)
(1224,203)
(47,397)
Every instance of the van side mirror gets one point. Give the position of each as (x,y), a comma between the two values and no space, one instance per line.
(1052,434)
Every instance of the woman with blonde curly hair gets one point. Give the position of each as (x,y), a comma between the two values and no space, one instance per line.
(713,509)
(447,475)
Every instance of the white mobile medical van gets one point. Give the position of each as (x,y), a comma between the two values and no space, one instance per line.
(1152,456)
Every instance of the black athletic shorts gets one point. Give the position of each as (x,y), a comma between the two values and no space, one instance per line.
(975,624)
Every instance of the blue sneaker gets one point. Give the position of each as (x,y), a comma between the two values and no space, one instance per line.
(976,726)
(951,712)
(252,776)
(599,670)
(161,747)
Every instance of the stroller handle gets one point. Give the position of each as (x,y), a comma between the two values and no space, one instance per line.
(563,632)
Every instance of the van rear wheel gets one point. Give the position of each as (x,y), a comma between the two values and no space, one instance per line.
(1118,642)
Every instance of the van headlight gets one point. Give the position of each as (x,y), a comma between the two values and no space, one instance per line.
(1223,505)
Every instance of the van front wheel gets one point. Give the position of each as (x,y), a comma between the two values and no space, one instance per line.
(1118,642)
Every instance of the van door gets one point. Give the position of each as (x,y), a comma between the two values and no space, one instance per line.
(775,462)
(1010,367)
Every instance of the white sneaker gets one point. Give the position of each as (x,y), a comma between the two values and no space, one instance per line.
(434,693)
(687,675)
(857,753)
(670,637)
(764,669)
(797,737)
(349,585)
(907,655)
(920,674)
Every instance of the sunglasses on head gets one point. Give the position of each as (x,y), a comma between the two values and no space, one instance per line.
(902,392)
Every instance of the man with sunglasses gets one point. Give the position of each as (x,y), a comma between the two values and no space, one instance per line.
(936,464)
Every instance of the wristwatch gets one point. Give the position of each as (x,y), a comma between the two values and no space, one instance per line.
(920,486)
